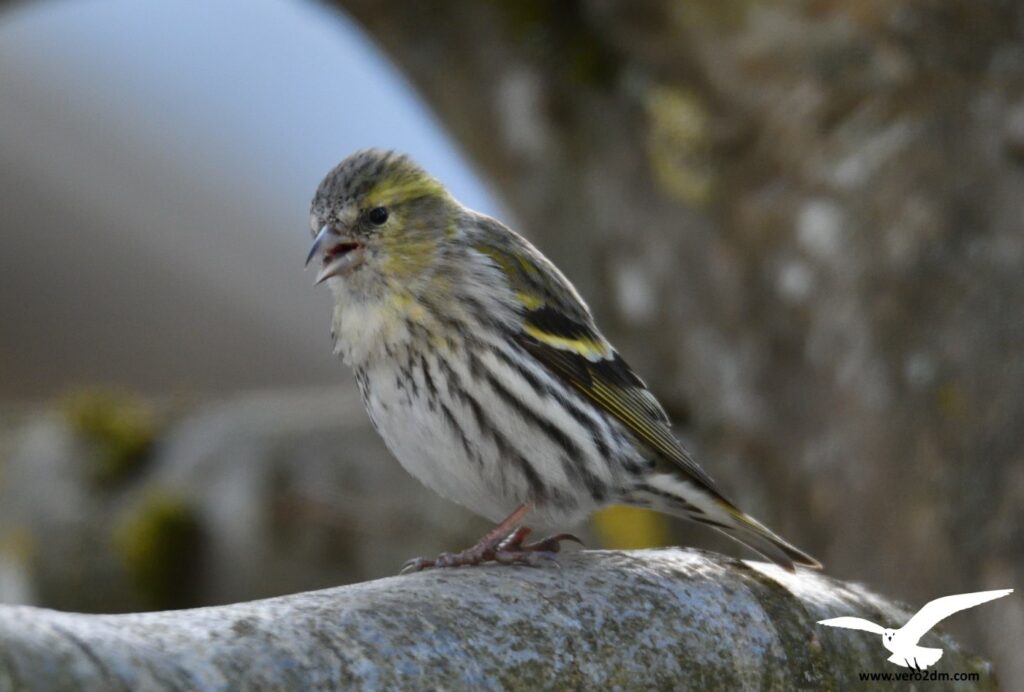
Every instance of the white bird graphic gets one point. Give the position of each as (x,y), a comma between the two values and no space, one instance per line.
(903,642)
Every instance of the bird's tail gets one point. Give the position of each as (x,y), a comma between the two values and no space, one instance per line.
(753,534)
(919,657)
(671,495)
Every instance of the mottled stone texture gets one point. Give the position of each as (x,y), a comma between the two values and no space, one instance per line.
(803,222)
(606,620)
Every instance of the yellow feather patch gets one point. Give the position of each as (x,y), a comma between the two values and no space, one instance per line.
(407,256)
(652,434)
(588,348)
(508,262)
(401,307)
(615,404)
(497,257)
(402,188)
(530,302)
(404,305)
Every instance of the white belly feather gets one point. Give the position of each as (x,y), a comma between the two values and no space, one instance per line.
(460,437)
(431,441)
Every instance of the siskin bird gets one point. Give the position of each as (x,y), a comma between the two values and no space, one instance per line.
(482,369)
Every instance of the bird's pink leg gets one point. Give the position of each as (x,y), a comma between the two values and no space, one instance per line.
(503,543)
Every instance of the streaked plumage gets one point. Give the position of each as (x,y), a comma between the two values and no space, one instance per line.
(482,368)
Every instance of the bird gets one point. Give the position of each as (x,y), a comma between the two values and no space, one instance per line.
(902,642)
(483,370)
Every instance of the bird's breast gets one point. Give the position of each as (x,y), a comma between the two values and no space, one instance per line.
(365,330)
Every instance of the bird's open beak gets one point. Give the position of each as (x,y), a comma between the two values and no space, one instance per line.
(340,254)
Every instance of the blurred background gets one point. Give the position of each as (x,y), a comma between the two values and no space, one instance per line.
(801,222)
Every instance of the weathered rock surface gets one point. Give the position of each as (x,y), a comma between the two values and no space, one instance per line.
(606,620)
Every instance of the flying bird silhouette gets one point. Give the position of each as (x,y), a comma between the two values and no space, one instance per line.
(903,642)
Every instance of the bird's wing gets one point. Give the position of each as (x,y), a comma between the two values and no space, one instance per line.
(559,332)
(851,623)
(942,608)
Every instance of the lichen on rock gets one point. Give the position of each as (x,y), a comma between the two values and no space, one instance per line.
(119,428)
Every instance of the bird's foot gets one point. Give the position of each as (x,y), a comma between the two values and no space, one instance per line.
(551,544)
(506,550)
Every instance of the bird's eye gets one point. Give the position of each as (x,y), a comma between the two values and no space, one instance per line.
(378,215)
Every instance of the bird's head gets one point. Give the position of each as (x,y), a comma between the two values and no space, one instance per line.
(888,634)
(379,222)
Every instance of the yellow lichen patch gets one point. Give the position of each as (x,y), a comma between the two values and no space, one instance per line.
(17,545)
(678,144)
(158,545)
(588,348)
(629,528)
(119,428)
(711,15)
(951,401)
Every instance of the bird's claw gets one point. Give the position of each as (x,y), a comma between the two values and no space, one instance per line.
(511,550)
(551,544)
(417,564)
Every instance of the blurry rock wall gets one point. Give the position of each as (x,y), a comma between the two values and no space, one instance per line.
(803,223)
